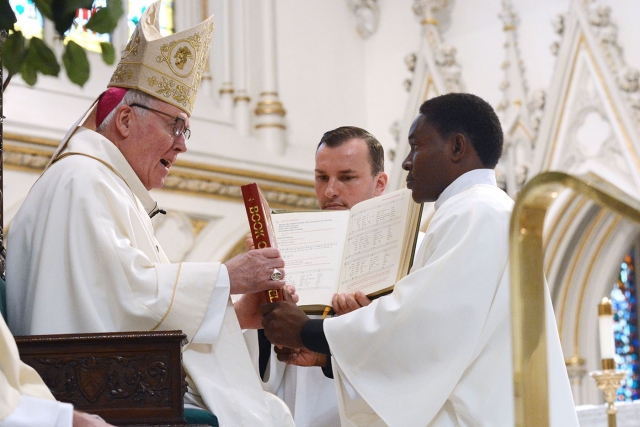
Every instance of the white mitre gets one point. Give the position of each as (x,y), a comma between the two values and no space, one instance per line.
(168,68)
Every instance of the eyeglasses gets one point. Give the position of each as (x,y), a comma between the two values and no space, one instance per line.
(179,125)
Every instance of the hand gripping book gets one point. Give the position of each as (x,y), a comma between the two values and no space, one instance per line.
(259,216)
(367,248)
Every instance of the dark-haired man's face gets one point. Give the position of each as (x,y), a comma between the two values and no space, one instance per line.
(343,175)
(427,162)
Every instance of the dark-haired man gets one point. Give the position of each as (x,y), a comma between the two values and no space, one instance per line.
(437,351)
(349,169)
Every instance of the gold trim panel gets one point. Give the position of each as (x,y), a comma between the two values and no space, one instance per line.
(31,139)
(269,106)
(430,21)
(270,125)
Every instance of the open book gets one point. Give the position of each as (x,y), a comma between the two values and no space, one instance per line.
(368,248)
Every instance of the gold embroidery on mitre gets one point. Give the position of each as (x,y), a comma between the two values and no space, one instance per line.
(201,57)
(122,74)
(169,68)
(132,46)
(172,90)
(182,56)
(179,51)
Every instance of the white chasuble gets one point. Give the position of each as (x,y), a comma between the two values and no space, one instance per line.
(437,351)
(83,258)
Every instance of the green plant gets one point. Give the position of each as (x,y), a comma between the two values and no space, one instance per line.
(28,57)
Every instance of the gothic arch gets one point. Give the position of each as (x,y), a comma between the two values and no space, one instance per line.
(590,126)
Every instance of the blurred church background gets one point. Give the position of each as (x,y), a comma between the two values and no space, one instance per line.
(562,74)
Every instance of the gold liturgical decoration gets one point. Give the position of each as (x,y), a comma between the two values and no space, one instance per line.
(609,380)
(531,390)
(181,57)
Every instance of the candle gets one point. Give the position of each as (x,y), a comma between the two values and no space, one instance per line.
(605,323)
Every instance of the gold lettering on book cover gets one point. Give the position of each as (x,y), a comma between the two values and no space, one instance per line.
(257,227)
(273,295)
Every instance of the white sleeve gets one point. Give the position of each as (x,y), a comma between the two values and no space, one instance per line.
(351,406)
(32,411)
(208,331)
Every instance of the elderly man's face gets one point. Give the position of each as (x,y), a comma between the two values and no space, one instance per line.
(343,175)
(152,148)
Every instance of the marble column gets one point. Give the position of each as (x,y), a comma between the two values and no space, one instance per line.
(270,115)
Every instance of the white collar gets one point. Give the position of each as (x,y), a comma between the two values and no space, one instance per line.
(466,181)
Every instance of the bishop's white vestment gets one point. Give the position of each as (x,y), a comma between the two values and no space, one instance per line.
(82,257)
(437,351)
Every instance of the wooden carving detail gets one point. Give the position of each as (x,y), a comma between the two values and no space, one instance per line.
(143,379)
(128,378)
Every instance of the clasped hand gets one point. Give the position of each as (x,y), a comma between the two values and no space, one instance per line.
(283,322)
(301,357)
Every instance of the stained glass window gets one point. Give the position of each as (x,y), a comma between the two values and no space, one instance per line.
(29,19)
(91,41)
(85,38)
(137,8)
(625,327)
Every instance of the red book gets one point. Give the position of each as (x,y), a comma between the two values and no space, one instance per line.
(259,216)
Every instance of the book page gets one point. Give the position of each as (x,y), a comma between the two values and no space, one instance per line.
(311,244)
(374,246)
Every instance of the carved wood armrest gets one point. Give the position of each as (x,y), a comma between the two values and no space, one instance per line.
(128,378)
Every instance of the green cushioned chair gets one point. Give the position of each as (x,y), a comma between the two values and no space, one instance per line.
(200,416)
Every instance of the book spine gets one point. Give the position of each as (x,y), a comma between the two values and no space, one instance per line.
(257,216)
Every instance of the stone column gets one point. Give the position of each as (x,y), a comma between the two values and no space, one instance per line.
(576,371)
(242,113)
(270,123)
(226,89)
